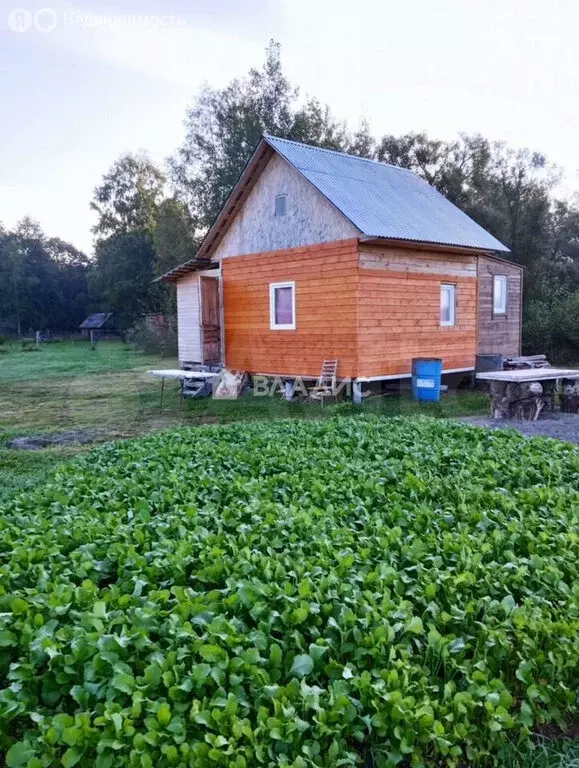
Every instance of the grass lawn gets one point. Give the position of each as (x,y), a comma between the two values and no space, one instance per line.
(69,386)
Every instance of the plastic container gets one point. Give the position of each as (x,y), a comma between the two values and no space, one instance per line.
(426,376)
(489,363)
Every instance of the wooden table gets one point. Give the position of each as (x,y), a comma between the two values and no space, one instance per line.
(524,393)
(180,375)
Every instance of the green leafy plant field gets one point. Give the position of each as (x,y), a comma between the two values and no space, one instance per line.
(354,591)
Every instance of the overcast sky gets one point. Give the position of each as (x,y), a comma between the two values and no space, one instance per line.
(77,90)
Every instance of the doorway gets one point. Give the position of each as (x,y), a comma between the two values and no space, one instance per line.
(210,321)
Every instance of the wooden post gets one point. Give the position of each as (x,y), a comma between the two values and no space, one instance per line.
(357,392)
(37,339)
(92,340)
(289,389)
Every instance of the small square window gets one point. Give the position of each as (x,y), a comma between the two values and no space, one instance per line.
(280,205)
(499,295)
(282,306)
(447,304)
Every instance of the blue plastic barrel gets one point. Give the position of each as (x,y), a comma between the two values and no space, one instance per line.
(426,375)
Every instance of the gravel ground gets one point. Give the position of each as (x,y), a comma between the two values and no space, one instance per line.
(561,426)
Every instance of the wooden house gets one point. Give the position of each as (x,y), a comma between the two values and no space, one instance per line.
(320,255)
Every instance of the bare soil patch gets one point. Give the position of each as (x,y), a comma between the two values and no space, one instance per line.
(37,442)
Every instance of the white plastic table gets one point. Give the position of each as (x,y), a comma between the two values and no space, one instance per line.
(180,375)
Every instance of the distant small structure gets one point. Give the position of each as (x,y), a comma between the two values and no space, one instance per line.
(157,321)
(97,326)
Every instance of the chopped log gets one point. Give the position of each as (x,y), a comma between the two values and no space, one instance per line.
(570,395)
(514,400)
(499,400)
(529,402)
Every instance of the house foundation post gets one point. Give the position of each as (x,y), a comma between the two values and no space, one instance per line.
(357,392)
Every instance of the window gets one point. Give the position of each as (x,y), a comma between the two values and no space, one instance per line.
(282,306)
(499,295)
(447,304)
(280,205)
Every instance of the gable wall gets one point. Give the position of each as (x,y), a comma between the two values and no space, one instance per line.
(310,218)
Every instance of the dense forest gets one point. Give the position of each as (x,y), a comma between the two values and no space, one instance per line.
(150,219)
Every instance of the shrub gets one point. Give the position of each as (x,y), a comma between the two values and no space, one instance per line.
(153,339)
(550,326)
(327,593)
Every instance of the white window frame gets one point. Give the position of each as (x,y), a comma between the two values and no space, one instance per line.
(281,326)
(451,288)
(503,309)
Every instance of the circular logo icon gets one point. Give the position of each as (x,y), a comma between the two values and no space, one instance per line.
(19,20)
(45,20)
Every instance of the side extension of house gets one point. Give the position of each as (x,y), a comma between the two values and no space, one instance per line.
(373,308)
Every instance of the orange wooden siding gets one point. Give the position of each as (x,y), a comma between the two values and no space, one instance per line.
(373,310)
(399,309)
(399,318)
(326,310)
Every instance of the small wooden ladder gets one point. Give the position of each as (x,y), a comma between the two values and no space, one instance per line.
(326,384)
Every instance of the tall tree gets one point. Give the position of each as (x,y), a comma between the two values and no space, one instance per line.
(128,197)
(124,273)
(224,126)
(174,236)
(313,123)
(175,242)
(362,143)
(44,281)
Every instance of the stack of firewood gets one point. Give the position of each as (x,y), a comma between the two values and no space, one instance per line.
(513,400)
(570,395)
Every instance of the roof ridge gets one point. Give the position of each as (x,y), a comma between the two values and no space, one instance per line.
(267,136)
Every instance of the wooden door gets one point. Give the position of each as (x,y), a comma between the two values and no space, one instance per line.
(210,321)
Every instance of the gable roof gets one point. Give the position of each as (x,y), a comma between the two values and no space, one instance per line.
(385,200)
(96,320)
(381,200)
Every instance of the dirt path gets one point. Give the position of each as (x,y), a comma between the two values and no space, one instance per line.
(561,426)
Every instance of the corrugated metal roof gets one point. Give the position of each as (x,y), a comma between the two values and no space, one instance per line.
(384,200)
(97,320)
(192,265)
